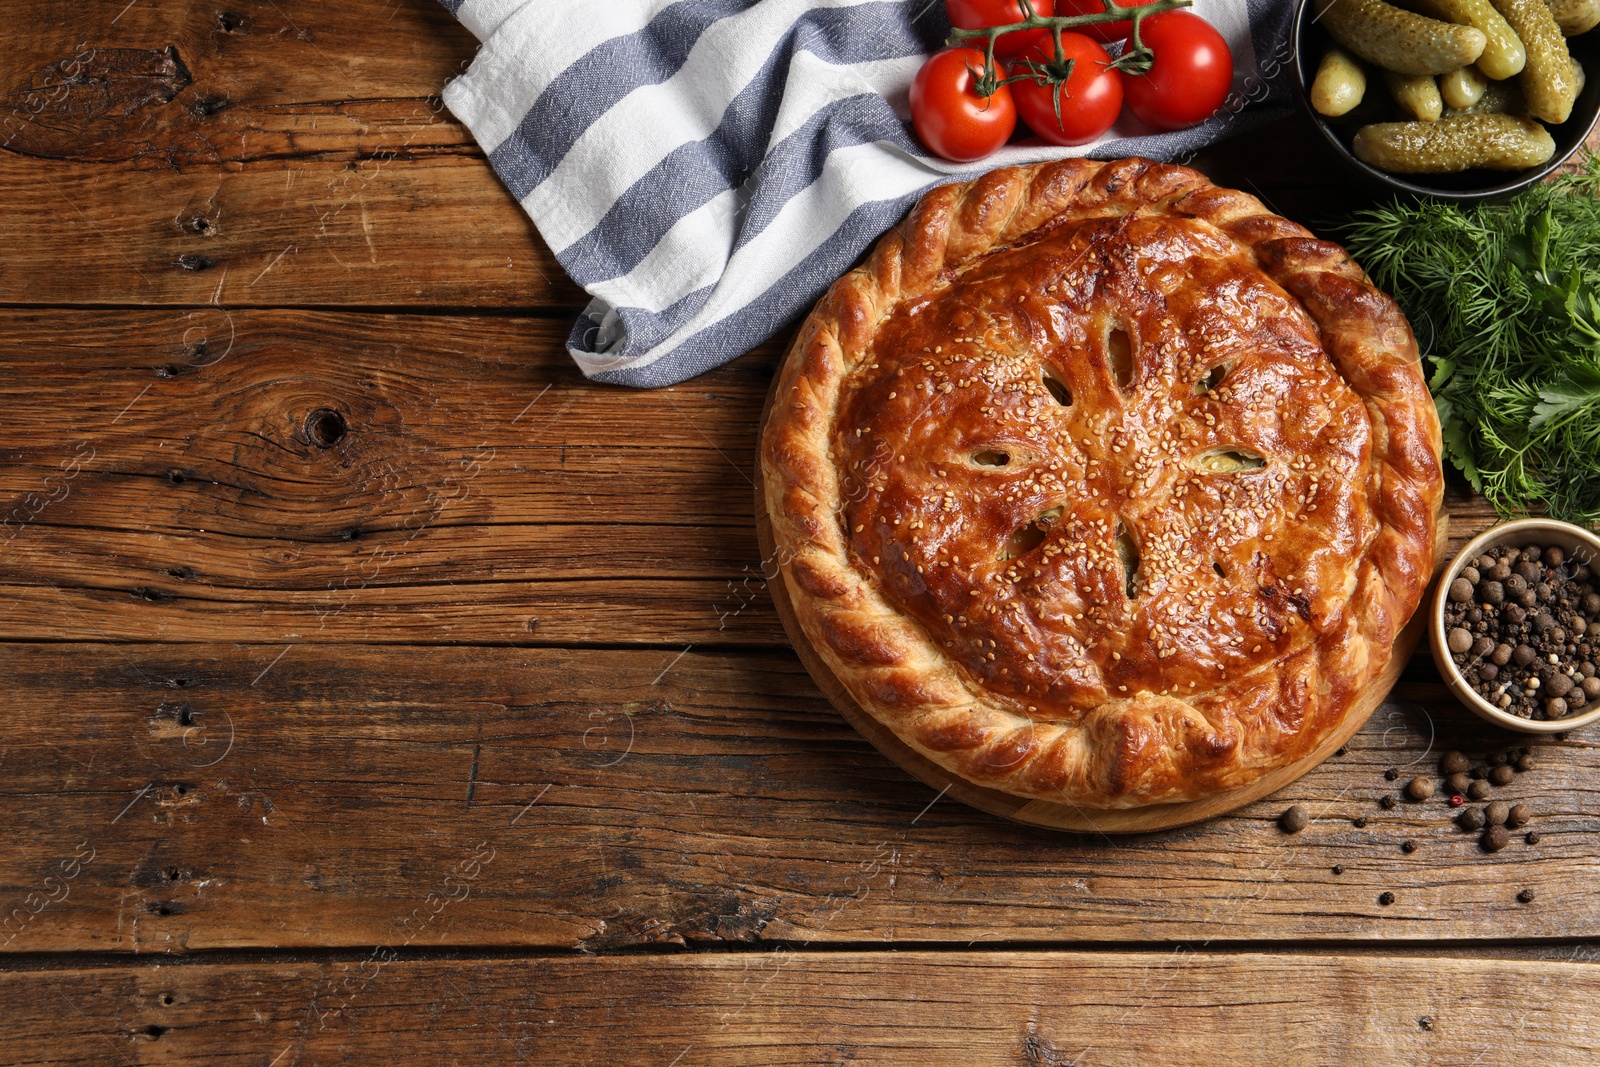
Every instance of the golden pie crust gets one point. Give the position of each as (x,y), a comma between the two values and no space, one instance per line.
(1102,485)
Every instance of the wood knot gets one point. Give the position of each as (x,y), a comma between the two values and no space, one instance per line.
(325,427)
(207,106)
(95,104)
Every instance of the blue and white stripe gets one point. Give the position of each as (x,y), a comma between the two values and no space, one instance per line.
(705,168)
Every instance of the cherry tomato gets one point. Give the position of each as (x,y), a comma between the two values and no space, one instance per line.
(1191,75)
(1100,31)
(949,115)
(1091,96)
(981,14)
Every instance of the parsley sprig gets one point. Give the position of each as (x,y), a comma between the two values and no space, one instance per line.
(1505,299)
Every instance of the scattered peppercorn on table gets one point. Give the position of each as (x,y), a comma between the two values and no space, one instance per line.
(379,689)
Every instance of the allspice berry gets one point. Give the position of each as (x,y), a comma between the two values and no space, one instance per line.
(1497,813)
(1494,839)
(1525,762)
(1458,783)
(1453,763)
(1294,819)
(1502,775)
(1518,815)
(1461,591)
(1478,790)
(1470,819)
(1419,788)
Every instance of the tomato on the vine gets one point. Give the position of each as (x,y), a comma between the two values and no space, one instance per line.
(981,14)
(1100,31)
(1090,98)
(1190,77)
(949,115)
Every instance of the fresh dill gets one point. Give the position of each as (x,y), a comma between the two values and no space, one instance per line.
(1505,300)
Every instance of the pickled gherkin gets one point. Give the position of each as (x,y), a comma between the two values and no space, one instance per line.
(1503,55)
(1462,88)
(1400,41)
(1417,94)
(1340,84)
(1547,80)
(1455,143)
(1575,16)
(1499,98)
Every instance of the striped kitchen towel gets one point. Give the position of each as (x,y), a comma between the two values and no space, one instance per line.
(705,168)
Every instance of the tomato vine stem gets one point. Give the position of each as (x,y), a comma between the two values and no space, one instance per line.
(1136,60)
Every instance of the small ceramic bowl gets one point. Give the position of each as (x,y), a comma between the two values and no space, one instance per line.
(1578,544)
(1309,42)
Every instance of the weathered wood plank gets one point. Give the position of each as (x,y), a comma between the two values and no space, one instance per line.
(189,84)
(314,795)
(1029,1009)
(165,476)
(192,153)
(439,231)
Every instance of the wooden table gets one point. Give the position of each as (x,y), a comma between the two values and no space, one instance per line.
(377,689)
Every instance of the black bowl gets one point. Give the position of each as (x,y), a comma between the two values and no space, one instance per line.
(1310,41)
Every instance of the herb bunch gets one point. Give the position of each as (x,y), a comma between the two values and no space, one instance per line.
(1506,300)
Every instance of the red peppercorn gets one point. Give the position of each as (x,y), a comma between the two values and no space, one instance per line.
(1457,800)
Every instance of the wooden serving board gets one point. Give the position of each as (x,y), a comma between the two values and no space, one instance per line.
(1050,814)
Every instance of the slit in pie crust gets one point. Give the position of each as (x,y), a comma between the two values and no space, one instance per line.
(1102,485)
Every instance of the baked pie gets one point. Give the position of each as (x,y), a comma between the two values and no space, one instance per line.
(1103,485)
